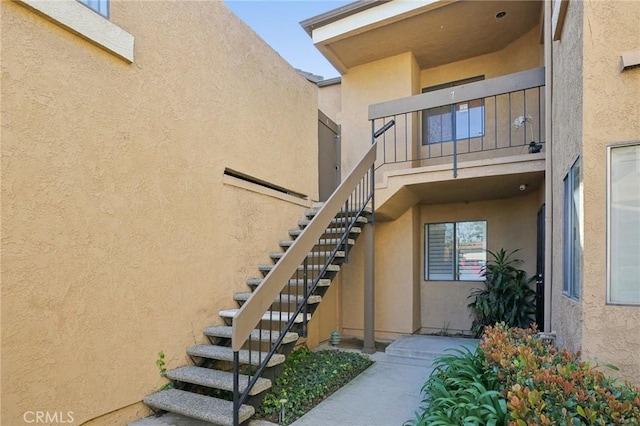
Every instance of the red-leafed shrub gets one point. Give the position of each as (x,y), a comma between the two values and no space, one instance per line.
(546,386)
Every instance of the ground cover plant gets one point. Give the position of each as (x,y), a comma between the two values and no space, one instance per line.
(306,379)
(535,384)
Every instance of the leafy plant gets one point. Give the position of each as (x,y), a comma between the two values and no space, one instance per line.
(461,391)
(507,295)
(163,371)
(306,379)
(545,386)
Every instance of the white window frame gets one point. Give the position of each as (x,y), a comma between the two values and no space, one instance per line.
(456,251)
(99,6)
(79,19)
(610,234)
(571,274)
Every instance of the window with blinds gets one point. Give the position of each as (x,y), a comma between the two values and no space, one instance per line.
(100,6)
(455,251)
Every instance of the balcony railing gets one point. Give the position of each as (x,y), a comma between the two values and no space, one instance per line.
(498,117)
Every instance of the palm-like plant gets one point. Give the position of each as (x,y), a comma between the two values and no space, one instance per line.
(507,296)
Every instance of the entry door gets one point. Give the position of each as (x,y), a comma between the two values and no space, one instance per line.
(328,156)
(540,271)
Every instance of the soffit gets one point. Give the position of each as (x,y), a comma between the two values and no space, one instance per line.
(476,189)
(438,35)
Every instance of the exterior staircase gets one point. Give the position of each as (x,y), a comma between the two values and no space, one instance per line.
(230,376)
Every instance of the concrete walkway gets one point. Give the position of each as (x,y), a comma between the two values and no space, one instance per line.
(386,394)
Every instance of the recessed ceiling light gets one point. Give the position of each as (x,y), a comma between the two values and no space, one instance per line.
(501,14)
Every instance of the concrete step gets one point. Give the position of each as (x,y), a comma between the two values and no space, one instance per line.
(285,244)
(310,267)
(314,211)
(284,298)
(314,255)
(330,268)
(329,231)
(224,332)
(340,221)
(214,410)
(216,379)
(325,282)
(268,316)
(224,353)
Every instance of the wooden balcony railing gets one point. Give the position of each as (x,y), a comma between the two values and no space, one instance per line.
(489,118)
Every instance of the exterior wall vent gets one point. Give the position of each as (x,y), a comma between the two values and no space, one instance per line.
(630,60)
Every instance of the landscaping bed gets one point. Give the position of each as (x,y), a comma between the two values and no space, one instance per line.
(308,378)
(514,378)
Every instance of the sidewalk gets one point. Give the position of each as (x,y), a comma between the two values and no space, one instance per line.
(386,394)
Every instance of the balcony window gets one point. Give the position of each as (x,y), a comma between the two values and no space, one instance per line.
(572,222)
(455,251)
(100,6)
(623,225)
(463,120)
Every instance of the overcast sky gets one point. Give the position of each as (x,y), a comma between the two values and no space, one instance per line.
(278,23)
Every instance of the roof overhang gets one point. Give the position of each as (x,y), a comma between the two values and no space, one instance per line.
(435,31)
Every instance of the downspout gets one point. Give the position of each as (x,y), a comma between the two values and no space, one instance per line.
(548,187)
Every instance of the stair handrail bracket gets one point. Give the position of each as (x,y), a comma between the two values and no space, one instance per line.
(251,312)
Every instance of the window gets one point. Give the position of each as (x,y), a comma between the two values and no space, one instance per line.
(623,225)
(455,251)
(100,6)
(463,120)
(572,222)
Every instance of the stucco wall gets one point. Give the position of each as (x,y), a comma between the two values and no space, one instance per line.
(119,238)
(362,86)
(611,115)
(511,224)
(395,282)
(330,101)
(566,314)
(525,53)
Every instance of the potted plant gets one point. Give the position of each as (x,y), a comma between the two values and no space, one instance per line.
(507,295)
(534,147)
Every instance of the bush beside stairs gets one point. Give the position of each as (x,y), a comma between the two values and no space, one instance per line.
(204,391)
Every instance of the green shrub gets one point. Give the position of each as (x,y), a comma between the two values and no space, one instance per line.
(461,391)
(513,378)
(544,386)
(307,378)
(506,297)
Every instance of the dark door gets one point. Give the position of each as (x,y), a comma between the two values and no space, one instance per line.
(328,156)
(540,271)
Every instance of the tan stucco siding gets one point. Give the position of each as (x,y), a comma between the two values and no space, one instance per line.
(511,224)
(523,54)
(611,116)
(119,238)
(330,101)
(567,314)
(395,284)
(362,86)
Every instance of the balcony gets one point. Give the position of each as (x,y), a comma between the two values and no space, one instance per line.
(481,120)
(469,142)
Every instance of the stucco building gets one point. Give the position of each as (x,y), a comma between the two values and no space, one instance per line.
(155,154)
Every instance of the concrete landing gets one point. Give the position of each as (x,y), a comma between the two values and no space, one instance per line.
(427,347)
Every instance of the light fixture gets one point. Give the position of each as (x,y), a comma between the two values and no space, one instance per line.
(501,14)
(523,186)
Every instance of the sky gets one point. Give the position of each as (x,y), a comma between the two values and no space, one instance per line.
(278,23)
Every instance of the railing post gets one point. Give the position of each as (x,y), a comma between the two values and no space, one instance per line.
(369,276)
(236,388)
(305,276)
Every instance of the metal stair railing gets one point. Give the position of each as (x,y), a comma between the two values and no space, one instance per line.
(307,261)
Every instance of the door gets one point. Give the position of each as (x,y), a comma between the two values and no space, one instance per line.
(540,270)
(328,156)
